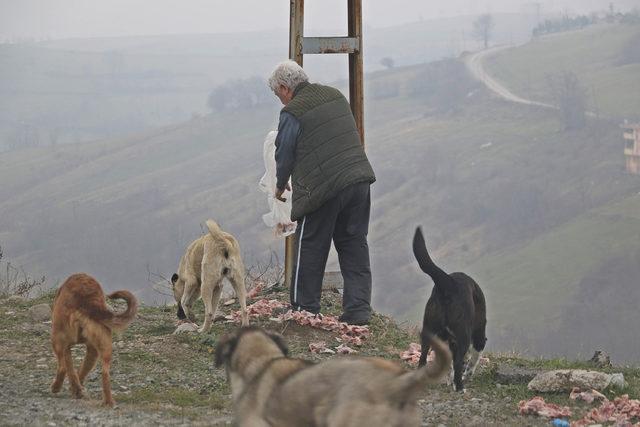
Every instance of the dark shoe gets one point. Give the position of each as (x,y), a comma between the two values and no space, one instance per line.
(358,321)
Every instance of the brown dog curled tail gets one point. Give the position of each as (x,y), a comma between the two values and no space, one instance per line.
(120,321)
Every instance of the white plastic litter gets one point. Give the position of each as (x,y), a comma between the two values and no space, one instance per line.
(279,216)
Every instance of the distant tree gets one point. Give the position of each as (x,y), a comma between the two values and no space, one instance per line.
(566,23)
(483,29)
(630,53)
(239,94)
(632,17)
(571,98)
(387,62)
(218,98)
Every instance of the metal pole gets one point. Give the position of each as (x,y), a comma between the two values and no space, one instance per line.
(296,31)
(356,90)
(351,45)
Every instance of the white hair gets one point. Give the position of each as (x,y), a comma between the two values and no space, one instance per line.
(289,74)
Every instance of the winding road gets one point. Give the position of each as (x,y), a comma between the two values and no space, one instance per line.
(474,63)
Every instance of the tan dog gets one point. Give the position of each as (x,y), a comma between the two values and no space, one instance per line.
(208,260)
(81,316)
(270,389)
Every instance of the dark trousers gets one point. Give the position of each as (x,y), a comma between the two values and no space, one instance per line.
(345,219)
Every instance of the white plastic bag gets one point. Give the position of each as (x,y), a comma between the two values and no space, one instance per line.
(279,217)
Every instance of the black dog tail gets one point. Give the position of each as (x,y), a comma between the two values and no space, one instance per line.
(425,262)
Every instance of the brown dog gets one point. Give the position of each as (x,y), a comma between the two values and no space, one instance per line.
(206,263)
(81,316)
(270,389)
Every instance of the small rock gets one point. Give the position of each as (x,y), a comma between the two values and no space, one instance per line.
(124,388)
(42,360)
(13,299)
(617,381)
(185,327)
(40,312)
(601,359)
(566,379)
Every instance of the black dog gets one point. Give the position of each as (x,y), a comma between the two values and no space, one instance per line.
(456,312)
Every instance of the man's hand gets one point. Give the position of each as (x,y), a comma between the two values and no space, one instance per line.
(280,191)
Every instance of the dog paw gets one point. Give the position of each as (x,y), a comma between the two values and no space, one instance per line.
(109,403)
(56,388)
(78,394)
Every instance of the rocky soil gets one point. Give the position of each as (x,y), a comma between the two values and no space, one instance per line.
(163,379)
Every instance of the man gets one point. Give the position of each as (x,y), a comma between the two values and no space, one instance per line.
(318,146)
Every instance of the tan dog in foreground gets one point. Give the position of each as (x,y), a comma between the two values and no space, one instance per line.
(270,389)
(207,261)
(81,316)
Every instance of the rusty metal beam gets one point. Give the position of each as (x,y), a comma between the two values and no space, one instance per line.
(356,68)
(316,45)
(296,30)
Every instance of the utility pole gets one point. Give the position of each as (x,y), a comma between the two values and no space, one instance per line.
(351,45)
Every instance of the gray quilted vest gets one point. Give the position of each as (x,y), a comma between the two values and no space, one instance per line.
(329,156)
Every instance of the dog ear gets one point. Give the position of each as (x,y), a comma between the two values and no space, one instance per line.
(225,348)
(280,342)
(174,278)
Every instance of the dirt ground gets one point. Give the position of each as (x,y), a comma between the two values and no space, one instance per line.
(163,379)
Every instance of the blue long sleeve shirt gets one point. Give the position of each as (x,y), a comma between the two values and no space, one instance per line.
(288,133)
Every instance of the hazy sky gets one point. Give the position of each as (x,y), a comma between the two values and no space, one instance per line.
(92,18)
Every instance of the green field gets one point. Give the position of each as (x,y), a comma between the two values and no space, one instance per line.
(595,54)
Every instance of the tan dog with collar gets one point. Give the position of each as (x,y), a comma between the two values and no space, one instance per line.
(206,263)
(270,389)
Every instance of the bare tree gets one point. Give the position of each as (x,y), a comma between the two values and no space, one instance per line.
(387,62)
(483,29)
(16,281)
(571,98)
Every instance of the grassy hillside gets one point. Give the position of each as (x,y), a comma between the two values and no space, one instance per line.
(604,57)
(80,90)
(533,212)
(534,290)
